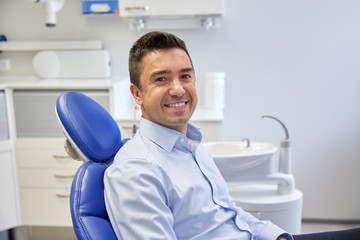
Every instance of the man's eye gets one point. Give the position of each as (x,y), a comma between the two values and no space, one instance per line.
(186,76)
(160,79)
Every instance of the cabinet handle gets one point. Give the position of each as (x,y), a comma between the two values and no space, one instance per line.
(61,156)
(64,176)
(59,195)
(137,9)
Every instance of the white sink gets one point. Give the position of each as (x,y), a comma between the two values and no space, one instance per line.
(237,161)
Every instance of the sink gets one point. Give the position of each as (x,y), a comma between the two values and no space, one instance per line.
(238,161)
(234,149)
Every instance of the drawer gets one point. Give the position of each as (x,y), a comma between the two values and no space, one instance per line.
(43,178)
(44,153)
(45,207)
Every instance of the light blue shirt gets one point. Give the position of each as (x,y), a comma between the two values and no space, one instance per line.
(164,185)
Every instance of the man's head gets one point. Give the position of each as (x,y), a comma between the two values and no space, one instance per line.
(150,42)
(163,80)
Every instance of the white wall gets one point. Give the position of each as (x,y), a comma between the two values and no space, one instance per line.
(297,60)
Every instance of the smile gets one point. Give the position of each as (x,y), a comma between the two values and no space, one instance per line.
(176,104)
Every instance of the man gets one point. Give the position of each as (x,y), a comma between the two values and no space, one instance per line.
(163,183)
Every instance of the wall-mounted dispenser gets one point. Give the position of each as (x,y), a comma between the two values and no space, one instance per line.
(51,7)
(171,14)
(100,7)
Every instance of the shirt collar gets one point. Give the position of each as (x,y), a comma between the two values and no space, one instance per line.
(165,137)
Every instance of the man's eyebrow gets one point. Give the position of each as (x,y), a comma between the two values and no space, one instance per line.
(161,72)
(187,70)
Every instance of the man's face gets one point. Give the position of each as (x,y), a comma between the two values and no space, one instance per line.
(168,95)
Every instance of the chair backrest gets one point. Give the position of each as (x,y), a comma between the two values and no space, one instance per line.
(94,137)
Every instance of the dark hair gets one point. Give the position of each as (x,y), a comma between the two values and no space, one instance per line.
(147,43)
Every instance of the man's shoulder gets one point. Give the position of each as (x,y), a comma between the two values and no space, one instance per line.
(137,148)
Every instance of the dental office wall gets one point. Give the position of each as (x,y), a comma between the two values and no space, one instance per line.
(296,60)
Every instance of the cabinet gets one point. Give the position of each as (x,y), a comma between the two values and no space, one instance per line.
(9,204)
(35,111)
(45,171)
(140,8)
(45,174)
(9,198)
(171,14)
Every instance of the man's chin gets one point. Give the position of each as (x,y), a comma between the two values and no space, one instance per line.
(176,123)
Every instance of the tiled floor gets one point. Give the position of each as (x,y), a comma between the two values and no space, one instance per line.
(312,226)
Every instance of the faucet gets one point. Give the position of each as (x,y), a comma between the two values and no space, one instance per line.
(247,142)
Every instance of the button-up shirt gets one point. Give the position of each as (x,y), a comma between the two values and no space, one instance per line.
(164,185)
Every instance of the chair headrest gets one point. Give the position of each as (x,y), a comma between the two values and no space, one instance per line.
(88,126)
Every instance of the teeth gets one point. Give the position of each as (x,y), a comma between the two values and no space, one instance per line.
(177,104)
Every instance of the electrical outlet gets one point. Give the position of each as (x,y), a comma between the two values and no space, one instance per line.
(5,65)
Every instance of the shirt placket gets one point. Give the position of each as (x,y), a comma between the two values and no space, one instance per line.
(215,196)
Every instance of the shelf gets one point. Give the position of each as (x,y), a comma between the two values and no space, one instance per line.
(50,45)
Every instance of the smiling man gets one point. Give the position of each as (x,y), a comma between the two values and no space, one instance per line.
(163,183)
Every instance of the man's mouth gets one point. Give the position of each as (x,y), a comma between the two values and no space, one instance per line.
(176,104)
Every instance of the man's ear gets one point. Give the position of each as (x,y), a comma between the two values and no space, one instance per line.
(137,94)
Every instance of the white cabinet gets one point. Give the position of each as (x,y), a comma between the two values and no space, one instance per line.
(35,111)
(9,204)
(9,208)
(131,8)
(45,171)
(171,14)
(45,175)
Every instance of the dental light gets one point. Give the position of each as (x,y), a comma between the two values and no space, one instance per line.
(51,7)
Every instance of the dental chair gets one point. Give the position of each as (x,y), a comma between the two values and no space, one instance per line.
(93,137)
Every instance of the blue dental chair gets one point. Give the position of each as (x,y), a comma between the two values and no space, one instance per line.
(92,136)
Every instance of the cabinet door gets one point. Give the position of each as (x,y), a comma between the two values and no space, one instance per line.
(8,190)
(133,8)
(35,111)
(46,207)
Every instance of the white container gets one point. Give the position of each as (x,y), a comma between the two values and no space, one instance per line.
(215,90)
(94,64)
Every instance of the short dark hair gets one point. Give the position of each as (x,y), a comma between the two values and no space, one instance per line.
(147,43)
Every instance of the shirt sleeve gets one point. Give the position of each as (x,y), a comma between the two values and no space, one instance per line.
(261,229)
(136,201)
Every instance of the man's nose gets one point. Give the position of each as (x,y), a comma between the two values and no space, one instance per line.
(176,88)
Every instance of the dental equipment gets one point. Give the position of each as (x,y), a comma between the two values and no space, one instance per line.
(285,149)
(51,7)
(258,183)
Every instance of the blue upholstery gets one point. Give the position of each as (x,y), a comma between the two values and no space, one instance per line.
(93,134)
(89,125)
